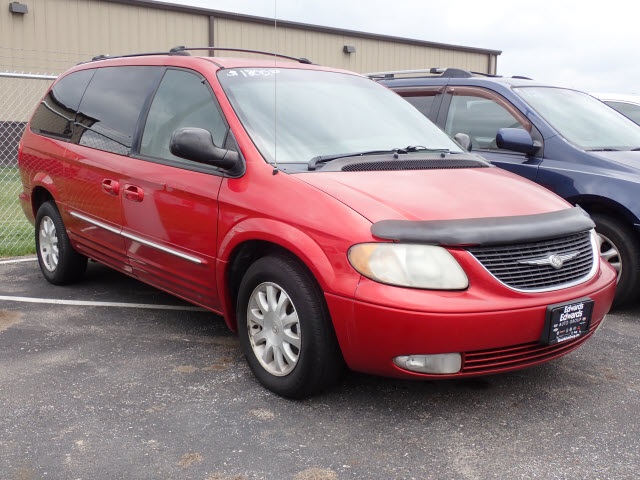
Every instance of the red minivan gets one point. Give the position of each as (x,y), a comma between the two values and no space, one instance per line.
(329,222)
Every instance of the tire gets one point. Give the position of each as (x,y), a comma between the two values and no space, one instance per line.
(59,262)
(285,330)
(621,248)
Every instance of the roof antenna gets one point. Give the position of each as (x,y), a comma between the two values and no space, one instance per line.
(275,88)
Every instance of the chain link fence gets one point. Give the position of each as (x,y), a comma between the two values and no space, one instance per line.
(19,94)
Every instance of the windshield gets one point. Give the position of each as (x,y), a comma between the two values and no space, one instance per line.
(295,115)
(581,119)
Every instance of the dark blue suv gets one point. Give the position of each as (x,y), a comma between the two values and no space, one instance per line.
(562,139)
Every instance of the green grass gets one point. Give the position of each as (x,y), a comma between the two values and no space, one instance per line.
(16,233)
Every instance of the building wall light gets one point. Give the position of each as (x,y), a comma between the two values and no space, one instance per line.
(349,49)
(18,8)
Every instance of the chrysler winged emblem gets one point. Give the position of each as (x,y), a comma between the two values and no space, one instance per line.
(555,260)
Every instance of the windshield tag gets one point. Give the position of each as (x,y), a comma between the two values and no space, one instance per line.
(253,72)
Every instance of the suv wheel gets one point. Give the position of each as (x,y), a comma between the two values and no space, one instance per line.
(620,247)
(285,329)
(59,262)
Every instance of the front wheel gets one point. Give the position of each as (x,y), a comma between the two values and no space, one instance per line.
(621,248)
(285,329)
(59,262)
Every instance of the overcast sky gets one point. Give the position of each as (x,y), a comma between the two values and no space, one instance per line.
(589,45)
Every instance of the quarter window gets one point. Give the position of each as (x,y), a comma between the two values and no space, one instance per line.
(182,100)
(56,113)
(423,101)
(111,107)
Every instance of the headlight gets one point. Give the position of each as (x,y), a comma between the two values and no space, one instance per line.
(416,266)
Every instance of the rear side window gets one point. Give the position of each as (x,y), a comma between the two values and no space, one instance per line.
(422,103)
(182,100)
(55,115)
(111,107)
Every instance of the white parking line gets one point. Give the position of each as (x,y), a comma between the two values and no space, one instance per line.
(54,301)
(84,303)
(18,260)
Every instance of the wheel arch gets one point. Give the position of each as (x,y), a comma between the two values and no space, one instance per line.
(39,195)
(243,245)
(606,206)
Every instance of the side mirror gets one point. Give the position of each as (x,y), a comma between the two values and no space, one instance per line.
(463,140)
(516,139)
(196,144)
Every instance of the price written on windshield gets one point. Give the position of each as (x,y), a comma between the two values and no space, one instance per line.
(253,72)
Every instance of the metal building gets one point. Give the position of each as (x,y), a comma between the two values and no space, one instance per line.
(49,36)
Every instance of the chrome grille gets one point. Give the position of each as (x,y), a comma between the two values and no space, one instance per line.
(504,262)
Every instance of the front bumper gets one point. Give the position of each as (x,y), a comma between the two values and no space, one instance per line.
(490,340)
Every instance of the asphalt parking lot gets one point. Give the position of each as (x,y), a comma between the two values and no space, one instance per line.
(111,379)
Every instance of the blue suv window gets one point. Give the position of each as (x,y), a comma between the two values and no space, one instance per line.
(480,118)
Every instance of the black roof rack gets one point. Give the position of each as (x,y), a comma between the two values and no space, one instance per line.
(147,54)
(441,72)
(181,50)
(437,71)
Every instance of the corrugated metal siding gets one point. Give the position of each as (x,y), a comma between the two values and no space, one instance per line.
(56,34)
(327,48)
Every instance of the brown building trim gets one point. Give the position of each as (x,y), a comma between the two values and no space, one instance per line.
(301,26)
(212,33)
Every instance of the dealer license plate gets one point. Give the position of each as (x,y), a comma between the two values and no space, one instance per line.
(567,321)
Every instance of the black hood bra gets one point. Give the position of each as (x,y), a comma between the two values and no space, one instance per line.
(486,231)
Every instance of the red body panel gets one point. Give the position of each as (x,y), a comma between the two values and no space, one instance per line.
(178,211)
(372,333)
(436,194)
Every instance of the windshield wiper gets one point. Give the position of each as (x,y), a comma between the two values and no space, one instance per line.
(320,159)
(420,148)
(603,150)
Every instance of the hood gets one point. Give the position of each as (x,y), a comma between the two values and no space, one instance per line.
(435,194)
(626,157)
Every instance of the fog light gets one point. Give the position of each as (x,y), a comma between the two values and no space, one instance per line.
(442,363)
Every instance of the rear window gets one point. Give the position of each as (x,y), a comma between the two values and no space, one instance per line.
(629,110)
(56,113)
(111,107)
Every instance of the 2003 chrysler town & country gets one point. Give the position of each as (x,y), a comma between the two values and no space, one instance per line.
(326,219)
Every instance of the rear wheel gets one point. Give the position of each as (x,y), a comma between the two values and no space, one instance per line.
(285,329)
(621,248)
(59,262)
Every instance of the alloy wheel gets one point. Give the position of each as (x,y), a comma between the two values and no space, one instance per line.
(610,253)
(49,252)
(274,329)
